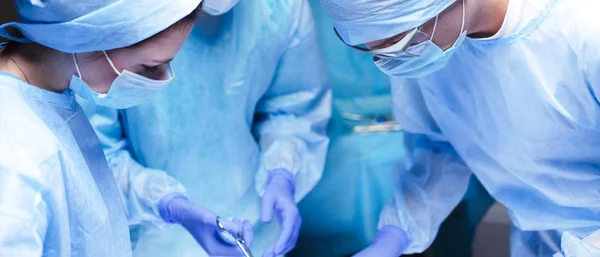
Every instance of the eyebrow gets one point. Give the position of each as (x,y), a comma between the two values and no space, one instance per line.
(384,42)
(163,61)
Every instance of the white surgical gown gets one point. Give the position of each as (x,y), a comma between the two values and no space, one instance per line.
(251,95)
(520,112)
(58,196)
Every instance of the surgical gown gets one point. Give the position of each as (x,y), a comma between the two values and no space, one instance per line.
(360,161)
(521,113)
(58,196)
(251,95)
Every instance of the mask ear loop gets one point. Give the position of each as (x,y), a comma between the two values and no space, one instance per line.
(462,27)
(77,67)
(434,28)
(111,63)
(79,74)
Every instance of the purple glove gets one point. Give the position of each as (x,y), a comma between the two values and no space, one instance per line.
(390,241)
(202,224)
(279,198)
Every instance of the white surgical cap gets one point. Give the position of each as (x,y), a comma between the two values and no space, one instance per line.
(75,26)
(218,7)
(362,21)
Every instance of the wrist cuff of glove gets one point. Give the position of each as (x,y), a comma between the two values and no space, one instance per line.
(163,206)
(286,175)
(397,235)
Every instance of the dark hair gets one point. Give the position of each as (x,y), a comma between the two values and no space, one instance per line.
(193,16)
(9,48)
(187,20)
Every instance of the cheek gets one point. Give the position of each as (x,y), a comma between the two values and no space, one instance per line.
(99,75)
(448,30)
(124,59)
(445,38)
(428,27)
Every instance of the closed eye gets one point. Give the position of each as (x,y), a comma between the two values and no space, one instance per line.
(151,69)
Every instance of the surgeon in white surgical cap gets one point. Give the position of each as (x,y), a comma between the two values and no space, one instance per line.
(243,127)
(58,196)
(506,90)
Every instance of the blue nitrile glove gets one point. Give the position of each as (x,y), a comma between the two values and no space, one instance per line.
(201,223)
(279,199)
(390,241)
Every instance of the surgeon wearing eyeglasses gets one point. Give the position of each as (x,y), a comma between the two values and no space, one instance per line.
(502,89)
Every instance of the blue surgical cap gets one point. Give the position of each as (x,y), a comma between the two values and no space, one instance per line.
(76,26)
(362,21)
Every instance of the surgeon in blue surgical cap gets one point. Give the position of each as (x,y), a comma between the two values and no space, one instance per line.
(58,196)
(506,90)
(242,127)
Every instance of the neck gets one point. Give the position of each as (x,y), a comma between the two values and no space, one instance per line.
(40,66)
(485,17)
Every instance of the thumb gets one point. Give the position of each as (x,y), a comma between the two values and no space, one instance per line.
(267,206)
(247,233)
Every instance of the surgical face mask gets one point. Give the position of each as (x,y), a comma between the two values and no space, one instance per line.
(218,7)
(127,90)
(431,59)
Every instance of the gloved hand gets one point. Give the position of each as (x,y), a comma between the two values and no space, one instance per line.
(201,223)
(279,199)
(390,241)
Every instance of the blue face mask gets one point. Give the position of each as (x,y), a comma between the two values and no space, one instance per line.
(431,59)
(127,90)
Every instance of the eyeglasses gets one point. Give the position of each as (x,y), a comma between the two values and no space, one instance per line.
(409,44)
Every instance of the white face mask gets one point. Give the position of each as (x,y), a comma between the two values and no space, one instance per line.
(218,7)
(128,89)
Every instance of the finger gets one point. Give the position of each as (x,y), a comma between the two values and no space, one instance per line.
(239,224)
(267,206)
(246,230)
(248,234)
(294,240)
(225,250)
(291,244)
(288,218)
(230,226)
(270,252)
(364,253)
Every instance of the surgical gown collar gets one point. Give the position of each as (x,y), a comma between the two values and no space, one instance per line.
(528,29)
(65,100)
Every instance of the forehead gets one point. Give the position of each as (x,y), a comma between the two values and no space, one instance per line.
(166,42)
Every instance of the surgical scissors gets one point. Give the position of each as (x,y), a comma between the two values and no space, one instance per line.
(369,123)
(239,239)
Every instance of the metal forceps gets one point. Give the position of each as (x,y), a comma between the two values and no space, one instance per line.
(239,240)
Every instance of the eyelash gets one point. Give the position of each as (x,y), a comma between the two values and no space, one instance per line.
(152,69)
